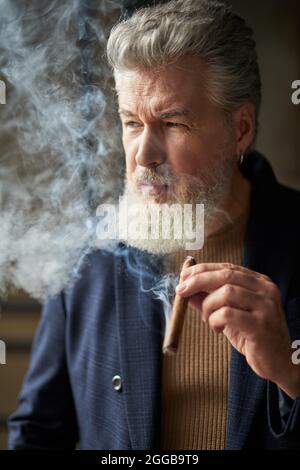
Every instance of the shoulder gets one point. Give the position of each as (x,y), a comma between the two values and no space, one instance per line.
(287,208)
(93,278)
(291,195)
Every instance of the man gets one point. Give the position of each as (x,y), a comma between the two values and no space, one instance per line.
(188,90)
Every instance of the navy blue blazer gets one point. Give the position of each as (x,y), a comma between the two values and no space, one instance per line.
(105,325)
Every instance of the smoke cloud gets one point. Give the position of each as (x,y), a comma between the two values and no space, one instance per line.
(60,147)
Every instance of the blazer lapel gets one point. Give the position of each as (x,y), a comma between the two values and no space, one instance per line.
(140,325)
(265,252)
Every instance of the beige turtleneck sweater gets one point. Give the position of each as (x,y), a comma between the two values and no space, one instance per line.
(195,380)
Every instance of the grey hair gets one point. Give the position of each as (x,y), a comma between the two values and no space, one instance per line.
(158,35)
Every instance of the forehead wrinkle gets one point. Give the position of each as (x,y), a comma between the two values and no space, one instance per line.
(154,97)
(161,108)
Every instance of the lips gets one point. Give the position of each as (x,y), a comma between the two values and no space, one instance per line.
(153,189)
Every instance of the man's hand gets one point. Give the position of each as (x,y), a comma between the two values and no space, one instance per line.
(246,306)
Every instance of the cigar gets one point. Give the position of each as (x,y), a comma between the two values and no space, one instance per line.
(172,337)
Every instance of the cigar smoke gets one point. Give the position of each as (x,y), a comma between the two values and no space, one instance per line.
(60,147)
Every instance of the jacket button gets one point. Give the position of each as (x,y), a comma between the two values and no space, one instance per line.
(117,382)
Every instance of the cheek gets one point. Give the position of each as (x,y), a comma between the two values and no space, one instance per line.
(199,149)
(188,155)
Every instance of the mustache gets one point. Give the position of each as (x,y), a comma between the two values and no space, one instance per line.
(159,176)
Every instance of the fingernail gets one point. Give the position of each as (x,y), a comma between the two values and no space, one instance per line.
(181,288)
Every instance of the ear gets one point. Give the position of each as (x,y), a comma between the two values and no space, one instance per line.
(244,124)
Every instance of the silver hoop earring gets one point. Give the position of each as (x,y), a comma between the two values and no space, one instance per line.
(241,158)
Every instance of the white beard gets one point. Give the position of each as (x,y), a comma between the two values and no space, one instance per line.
(209,190)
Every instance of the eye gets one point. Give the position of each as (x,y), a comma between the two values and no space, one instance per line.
(175,124)
(132,124)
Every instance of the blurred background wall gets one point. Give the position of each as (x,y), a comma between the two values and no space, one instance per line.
(19,317)
(276,24)
(277,28)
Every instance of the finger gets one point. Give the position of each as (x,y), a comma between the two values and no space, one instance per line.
(231,296)
(230,317)
(196,300)
(208,281)
(207,267)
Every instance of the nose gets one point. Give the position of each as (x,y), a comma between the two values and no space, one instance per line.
(151,152)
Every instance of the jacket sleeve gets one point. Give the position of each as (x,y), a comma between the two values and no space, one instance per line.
(45,416)
(283,414)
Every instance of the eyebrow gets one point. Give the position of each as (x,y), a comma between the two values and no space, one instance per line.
(164,115)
